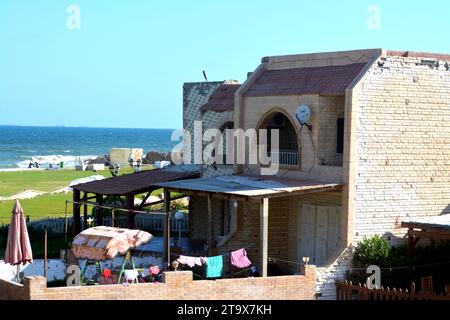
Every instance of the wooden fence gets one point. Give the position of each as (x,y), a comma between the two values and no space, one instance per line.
(347,291)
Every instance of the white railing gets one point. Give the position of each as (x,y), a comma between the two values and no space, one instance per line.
(290,158)
(142,221)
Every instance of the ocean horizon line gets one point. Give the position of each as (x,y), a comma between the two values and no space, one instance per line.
(80,127)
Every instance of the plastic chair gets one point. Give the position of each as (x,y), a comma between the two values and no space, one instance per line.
(427,284)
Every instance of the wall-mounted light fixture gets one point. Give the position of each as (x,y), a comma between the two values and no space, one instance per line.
(114,169)
(305,260)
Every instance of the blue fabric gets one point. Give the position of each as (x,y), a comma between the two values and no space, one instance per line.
(214,266)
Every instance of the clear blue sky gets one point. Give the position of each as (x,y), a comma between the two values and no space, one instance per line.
(126,66)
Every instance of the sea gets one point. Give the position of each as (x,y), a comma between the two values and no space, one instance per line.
(20,145)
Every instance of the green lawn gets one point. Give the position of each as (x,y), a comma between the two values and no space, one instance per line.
(40,207)
(48,180)
(46,205)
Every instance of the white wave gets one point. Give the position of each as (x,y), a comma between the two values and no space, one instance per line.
(45,161)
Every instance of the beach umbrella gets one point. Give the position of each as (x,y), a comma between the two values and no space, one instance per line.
(18,247)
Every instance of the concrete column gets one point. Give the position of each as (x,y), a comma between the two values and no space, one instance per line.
(210,237)
(264,234)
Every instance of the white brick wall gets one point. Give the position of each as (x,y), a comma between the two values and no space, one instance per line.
(403,155)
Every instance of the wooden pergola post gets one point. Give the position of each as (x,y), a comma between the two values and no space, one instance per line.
(85,210)
(76,229)
(129,203)
(99,211)
(264,234)
(166,249)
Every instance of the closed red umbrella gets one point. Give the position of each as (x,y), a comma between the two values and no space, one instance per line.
(18,247)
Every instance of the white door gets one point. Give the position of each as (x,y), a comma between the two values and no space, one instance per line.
(319,232)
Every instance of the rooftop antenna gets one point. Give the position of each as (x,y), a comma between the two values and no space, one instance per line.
(204,76)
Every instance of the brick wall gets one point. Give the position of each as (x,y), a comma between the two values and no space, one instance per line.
(403,145)
(175,286)
(11,291)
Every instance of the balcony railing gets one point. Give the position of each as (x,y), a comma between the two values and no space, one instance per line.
(290,158)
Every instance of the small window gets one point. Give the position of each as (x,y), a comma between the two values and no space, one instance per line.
(340,136)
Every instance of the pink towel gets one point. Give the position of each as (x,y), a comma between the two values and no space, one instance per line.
(239,258)
(191,261)
(154,270)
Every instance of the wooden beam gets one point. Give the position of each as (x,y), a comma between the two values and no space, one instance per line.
(166,249)
(162,201)
(99,210)
(264,235)
(429,234)
(144,199)
(76,212)
(129,204)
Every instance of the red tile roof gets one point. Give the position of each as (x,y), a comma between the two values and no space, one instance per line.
(328,80)
(222,99)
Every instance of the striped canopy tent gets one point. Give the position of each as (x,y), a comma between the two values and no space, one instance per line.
(104,243)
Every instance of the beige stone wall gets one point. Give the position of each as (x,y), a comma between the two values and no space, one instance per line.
(330,109)
(318,158)
(177,286)
(403,145)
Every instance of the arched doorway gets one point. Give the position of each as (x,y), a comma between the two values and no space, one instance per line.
(288,153)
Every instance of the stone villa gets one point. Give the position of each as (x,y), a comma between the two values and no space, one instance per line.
(377,153)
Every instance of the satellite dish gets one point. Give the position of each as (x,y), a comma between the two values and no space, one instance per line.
(303,114)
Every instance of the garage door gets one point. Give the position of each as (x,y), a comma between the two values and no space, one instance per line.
(319,232)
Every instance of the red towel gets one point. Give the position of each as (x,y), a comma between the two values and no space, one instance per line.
(239,259)
(107,273)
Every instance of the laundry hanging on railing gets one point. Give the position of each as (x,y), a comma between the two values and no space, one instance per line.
(214,266)
(239,259)
(192,261)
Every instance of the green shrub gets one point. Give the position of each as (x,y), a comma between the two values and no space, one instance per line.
(371,251)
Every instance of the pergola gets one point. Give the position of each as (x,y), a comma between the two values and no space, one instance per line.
(244,188)
(124,188)
(434,227)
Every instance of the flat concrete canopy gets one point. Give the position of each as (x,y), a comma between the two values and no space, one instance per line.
(241,186)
